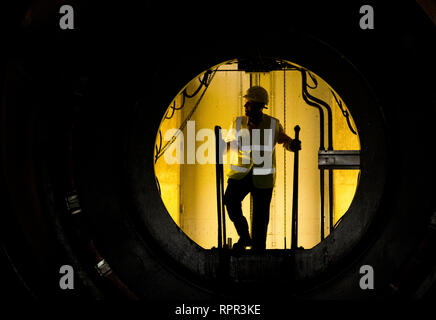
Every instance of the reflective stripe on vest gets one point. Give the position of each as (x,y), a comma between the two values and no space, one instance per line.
(263,171)
(238,168)
(262,148)
(238,124)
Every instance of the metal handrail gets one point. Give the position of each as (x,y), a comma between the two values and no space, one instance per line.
(294,239)
(220,189)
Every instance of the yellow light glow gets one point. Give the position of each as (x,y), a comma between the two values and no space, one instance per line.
(189,190)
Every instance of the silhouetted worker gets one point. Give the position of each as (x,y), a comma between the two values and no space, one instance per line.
(254,171)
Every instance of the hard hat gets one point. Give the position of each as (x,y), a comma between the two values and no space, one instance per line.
(257,94)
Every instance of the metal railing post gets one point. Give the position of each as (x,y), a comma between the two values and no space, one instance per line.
(218,184)
(294,240)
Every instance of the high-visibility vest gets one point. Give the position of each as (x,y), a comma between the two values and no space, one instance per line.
(252,149)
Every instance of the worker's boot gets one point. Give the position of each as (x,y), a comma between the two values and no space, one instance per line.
(242,243)
(241,226)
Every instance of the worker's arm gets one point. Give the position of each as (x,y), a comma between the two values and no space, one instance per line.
(288,143)
(230,137)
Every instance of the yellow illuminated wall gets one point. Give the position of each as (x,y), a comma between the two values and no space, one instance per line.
(189,190)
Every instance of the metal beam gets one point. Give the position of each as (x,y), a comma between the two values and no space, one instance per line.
(339,159)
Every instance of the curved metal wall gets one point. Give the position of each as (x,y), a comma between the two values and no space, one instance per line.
(79,112)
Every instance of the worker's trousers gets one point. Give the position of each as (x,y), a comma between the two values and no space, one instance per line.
(236,192)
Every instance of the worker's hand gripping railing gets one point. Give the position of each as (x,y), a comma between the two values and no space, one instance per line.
(220,188)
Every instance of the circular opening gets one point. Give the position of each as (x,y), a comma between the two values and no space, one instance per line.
(329,162)
(175,243)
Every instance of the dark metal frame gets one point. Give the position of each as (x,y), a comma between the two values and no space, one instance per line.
(220,190)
